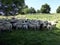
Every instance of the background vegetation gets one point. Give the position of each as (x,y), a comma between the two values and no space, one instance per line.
(24,9)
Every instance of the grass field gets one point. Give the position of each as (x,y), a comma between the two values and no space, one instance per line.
(28,37)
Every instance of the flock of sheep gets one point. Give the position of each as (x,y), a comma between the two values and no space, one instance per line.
(26,24)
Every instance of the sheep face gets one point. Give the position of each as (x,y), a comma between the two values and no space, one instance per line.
(49,27)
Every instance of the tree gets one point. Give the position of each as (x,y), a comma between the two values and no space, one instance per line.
(38,11)
(26,11)
(32,10)
(17,2)
(58,10)
(13,5)
(25,6)
(45,8)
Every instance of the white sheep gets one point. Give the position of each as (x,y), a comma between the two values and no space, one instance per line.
(5,26)
(17,25)
(53,23)
(25,26)
(32,26)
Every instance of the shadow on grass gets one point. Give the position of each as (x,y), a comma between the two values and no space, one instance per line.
(31,37)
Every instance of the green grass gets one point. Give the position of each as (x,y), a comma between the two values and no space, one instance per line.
(31,37)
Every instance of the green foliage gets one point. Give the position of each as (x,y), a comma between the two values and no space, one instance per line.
(38,11)
(6,1)
(58,10)
(25,6)
(32,10)
(27,10)
(19,4)
(45,8)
